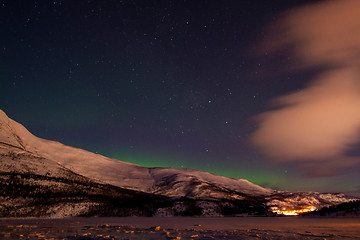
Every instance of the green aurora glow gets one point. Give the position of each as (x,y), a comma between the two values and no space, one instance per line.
(256,176)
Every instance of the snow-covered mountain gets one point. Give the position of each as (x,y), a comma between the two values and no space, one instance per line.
(24,154)
(26,150)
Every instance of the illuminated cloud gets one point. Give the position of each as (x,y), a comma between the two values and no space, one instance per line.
(316,126)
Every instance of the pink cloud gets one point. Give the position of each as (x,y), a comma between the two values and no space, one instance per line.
(316,126)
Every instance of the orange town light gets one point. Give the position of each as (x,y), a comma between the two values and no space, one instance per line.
(293,212)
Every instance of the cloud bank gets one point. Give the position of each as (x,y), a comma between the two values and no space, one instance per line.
(315,127)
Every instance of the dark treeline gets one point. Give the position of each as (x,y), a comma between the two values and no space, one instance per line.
(32,195)
(344,209)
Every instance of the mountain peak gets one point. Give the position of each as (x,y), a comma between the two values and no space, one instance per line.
(8,132)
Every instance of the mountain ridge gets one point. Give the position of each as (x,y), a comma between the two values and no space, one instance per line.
(113,171)
(25,158)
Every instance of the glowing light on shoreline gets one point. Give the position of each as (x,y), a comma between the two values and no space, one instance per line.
(293,212)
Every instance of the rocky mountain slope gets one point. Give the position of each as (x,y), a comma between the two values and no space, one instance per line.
(32,168)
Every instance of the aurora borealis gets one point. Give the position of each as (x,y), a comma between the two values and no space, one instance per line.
(158,83)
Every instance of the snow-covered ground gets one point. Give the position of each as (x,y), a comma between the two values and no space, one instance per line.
(181,228)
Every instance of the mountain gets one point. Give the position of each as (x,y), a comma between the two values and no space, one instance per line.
(46,167)
(165,181)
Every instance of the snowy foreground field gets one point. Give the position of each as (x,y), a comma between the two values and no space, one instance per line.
(181,228)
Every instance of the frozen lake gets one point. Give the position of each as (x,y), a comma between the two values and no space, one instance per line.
(181,228)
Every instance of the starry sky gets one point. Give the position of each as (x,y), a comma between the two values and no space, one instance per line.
(186,84)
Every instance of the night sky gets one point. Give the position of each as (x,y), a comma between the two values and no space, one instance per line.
(171,84)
